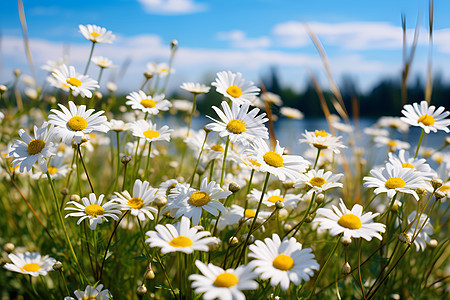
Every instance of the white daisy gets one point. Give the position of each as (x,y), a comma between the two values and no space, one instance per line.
(76,122)
(429,118)
(239,124)
(189,202)
(234,87)
(350,222)
(118,125)
(162,69)
(57,168)
(393,145)
(97,34)
(139,204)
(223,284)
(40,148)
(374,132)
(31,263)
(148,130)
(234,214)
(271,197)
(282,261)
(179,238)
(94,210)
(78,83)
(418,164)
(91,292)
(276,163)
(394,178)
(147,103)
(271,98)
(322,140)
(318,181)
(291,113)
(394,123)
(423,236)
(103,62)
(195,88)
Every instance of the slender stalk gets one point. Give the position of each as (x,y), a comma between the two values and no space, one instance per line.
(65,283)
(198,159)
(118,160)
(88,250)
(124,176)
(148,160)
(192,113)
(85,170)
(100,75)
(420,142)
(224,160)
(359,269)
(249,185)
(165,275)
(89,59)
(317,157)
(297,227)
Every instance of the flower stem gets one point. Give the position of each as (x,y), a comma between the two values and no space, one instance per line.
(248,188)
(192,113)
(148,160)
(297,227)
(84,167)
(118,161)
(224,160)
(317,157)
(89,59)
(359,269)
(420,142)
(198,159)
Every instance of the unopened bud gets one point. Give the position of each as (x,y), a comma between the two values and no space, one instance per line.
(207,130)
(251,238)
(149,274)
(148,75)
(346,268)
(279,204)
(233,241)
(9,247)
(286,151)
(17,72)
(75,198)
(57,266)
(65,191)
(199,228)
(287,227)
(439,194)
(319,198)
(433,243)
(200,170)
(214,245)
(288,184)
(447,140)
(283,213)
(125,159)
(3,89)
(173,44)
(160,201)
(180,179)
(234,187)
(98,95)
(309,218)
(346,240)
(141,290)
(436,183)
(420,191)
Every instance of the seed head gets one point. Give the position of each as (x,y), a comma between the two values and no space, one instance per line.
(141,290)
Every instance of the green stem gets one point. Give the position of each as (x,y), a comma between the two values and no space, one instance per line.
(297,227)
(198,159)
(192,113)
(85,170)
(224,160)
(248,189)
(359,269)
(148,160)
(317,158)
(116,181)
(420,142)
(89,60)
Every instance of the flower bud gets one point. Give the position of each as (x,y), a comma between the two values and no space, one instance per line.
(439,194)
(396,205)
(447,139)
(160,201)
(141,290)
(75,198)
(57,266)
(309,218)
(233,241)
(234,187)
(200,170)
(346,240)
(173,43)
(251,238)
(214,245)
(207,130)
(346,268)
(279,204)
(97,95)
(420,191)
(125,159)
(9,247)
(65,191)
(3,89)
(436,183)
(149,275)
(433,243)
(199,228)
(287,227)
(17,72)
(319,198)
(148,75)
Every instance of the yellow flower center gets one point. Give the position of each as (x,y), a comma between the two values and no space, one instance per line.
(148,103)
(217,148)
(408,165)
(151,134)
(94,210)
(392,143)
(89,298)
(249,213)
(35,146)
(95,34)
(52,170)
(350,221)
(274,199)
(77,123)
(199,198)
(135,203)
(226,280)
(181,241)
(163,70)
(317,181)
(394,183)
(444,188)
(273,159)
(321,133)
(73,81)
(283,262)
(320,146)
(426,120)
(234,91)
(254,162)
(236,126)
(31,268)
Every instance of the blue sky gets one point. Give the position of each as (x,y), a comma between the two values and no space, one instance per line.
(362,38)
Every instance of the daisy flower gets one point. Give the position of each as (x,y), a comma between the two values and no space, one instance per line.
(318,181)
(97,34)
(31,263)
(147,103)
(75,122)
(429,118)
(179,238)
(239,124)
(236,213)
(418,164)
(56,168)
(162,69)
(223,284)
(40,148)
(139,204)
(291,113)
(234,87)
(148,130)
(394,123)
(282,261)
(395,179)
(78,83)
(271,197)
(195,88)
(271,98)
(189,202)
(118,125)
(393,145)
(350,222)
(91,292)
(276,163)
(322,140)
(423,236)
(102,62)
(93,210)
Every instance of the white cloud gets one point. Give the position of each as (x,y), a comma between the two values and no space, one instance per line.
(239,39)
(173,7)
